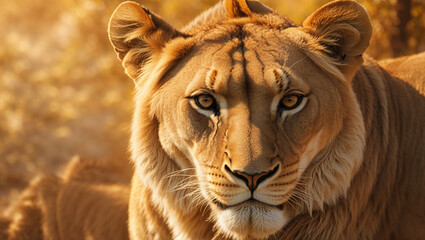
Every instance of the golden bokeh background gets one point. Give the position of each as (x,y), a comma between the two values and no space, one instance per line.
(63,91)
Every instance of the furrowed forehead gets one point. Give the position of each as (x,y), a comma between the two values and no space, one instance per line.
(278,79)
(223,65)
(244,62)
(219,66)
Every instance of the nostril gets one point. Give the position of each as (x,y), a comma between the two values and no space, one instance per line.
(237,174)
(267,175)
(252,180)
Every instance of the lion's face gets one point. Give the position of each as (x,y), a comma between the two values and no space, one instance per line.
(262,124)
(250,121)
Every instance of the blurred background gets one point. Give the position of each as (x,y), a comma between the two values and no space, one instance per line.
(63,91)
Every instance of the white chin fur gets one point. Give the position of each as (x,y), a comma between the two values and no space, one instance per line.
(251,221)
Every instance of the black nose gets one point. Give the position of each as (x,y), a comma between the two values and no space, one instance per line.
(252,179)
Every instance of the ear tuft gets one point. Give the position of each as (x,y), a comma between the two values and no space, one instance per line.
(244,8)
(137,34)
(237,8)
(258,7)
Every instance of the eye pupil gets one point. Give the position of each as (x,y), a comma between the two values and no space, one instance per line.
(205,101)
(290,102)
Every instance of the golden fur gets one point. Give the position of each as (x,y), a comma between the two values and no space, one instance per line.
(89,202)
(343,165)
(408,69)
(346,163)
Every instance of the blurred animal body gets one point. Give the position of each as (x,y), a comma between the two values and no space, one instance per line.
(89,202)
(248,126)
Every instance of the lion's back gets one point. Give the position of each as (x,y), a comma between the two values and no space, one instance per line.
(410,69)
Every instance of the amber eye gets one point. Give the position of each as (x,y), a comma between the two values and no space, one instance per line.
(290,101)
(205,101)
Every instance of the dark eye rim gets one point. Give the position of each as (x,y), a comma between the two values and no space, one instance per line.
(282,107)
(214,106)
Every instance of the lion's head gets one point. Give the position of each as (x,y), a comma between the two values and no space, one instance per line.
(243,111)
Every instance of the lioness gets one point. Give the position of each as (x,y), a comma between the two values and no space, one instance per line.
(249,126)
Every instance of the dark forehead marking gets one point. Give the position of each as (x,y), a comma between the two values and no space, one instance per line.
(212,78)
(278,79)
(261,55)
(241,36)
(223,63)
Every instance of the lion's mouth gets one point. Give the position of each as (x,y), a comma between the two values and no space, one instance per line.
(250,201)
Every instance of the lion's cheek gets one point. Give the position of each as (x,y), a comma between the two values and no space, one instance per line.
(190,125)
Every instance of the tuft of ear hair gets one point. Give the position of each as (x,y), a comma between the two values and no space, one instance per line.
(344,30)
(137,34)
(244,8)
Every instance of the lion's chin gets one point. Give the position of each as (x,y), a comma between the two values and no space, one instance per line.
(251,220)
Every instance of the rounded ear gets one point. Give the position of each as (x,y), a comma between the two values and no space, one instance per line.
(137,34)
(344,30)
(244,8)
